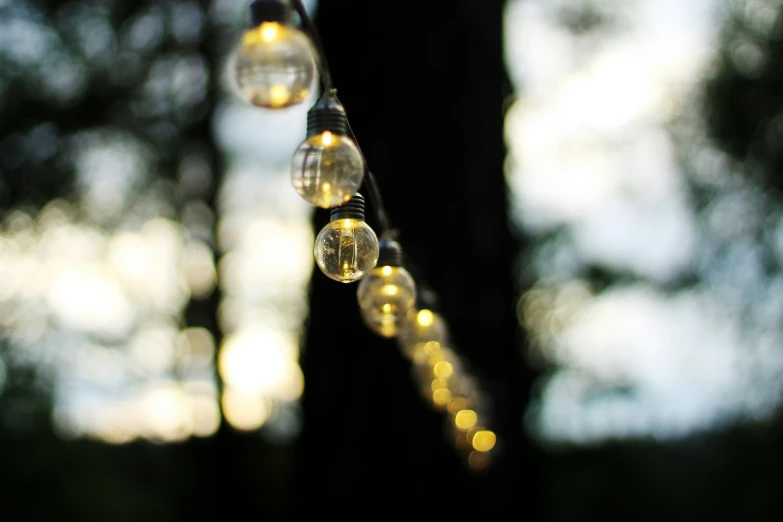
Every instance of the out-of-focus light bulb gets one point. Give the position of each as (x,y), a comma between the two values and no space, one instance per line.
(274,65)
(346,249)
(328,167)
(465,419)
(420,327)
(387,293)
(482,439)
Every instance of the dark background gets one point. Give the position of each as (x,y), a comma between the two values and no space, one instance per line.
(425,90)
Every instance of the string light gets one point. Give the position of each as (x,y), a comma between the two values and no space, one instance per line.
(328,167)
(346,249)
(327,170)
(274,65)
(422,331)
(387,293)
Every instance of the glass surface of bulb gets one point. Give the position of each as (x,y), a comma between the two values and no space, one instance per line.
(274,66)
(327,169)
(419,328)
(385,296)
(346,250)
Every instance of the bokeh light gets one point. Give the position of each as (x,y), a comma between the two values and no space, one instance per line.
(649,314)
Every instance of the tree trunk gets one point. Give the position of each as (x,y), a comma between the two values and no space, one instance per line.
(424,91)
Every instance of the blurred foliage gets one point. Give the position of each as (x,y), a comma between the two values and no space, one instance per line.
(744,96)
(731,472)
(142,73)
(138,70)
(107,104)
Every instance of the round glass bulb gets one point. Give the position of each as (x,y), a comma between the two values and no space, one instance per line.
(327,169)
(274,66)
(419,328)
(346,250)
(385,296)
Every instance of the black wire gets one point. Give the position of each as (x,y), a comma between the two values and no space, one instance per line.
(323,67)
(329,90)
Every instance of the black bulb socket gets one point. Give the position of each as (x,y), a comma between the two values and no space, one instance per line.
(389,253)
(327,115)
(269,11)
(351,209)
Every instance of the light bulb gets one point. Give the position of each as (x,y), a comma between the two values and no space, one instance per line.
(346,249)
(328,167)
(387,293)
(422,330)
(274,66)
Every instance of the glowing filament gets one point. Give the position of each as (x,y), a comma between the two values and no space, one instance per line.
(269,31)
(424,318)
(389,290)
(278,95)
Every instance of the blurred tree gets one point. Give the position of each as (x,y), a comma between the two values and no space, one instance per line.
(732,471)
(139,76)
(744,97)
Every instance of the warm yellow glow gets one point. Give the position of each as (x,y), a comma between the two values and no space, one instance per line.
(431,347)
(441,396)
(457,404)
(435,357)
(327,138)
(389,290)
(387,308)
(479,459)
(278,96)
(425,318)
(483,440)
(244,411)
(443,369)
(250,37)
(326,186)
(387,270)
(269,31)
(437,384)
(465,419)
(423,351)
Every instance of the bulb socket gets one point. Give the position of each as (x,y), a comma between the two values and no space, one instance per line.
(327,115)
(269,11)
(389,253)
(351,209)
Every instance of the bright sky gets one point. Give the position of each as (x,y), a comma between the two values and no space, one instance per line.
(96,290)
(593,163)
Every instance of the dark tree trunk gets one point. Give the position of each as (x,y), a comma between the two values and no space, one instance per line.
(424,90)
